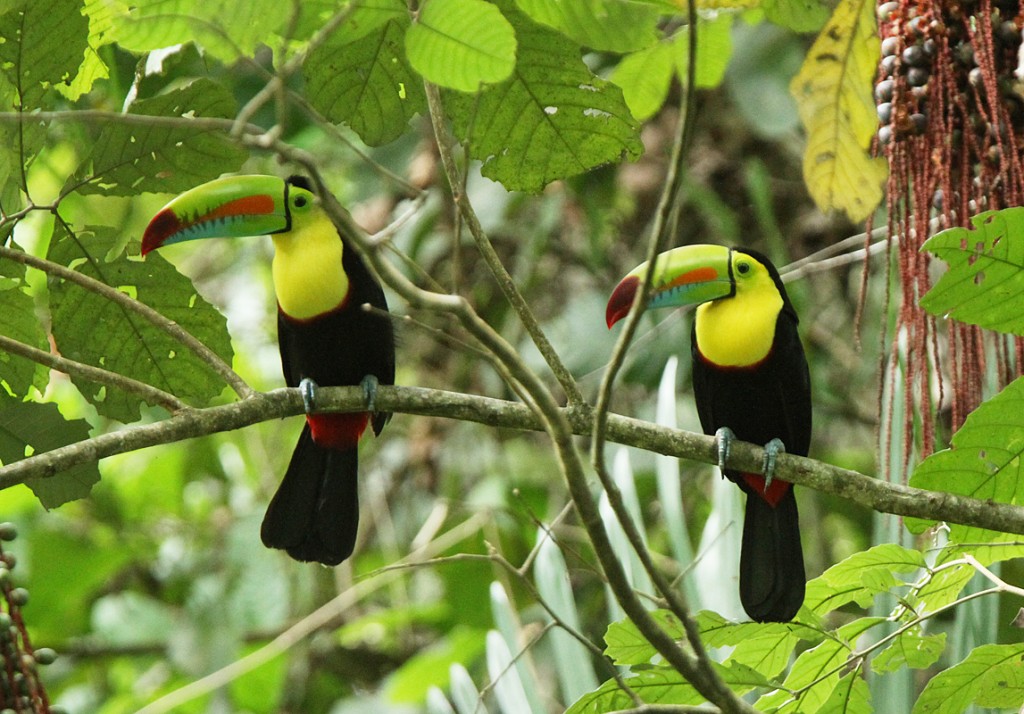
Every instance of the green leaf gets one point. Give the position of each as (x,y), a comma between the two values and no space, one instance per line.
(100,14)
(37,428)
(989,673)
(796,15)
(18,321)
(912,649)
(226,29)
(861,577)
(645,76)
(817,670)
(851,696)
(366,83)
(610,25)
(461,44)
(552,119)
(626,646)
(714,48)
(833,94)
(44,44)
(128,158)
(985,282)
(91,329)
(940,589)
(984,460)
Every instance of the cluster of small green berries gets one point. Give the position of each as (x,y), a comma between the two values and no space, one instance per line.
(21,691)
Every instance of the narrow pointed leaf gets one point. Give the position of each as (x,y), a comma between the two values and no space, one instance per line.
(985,282)
(833,94)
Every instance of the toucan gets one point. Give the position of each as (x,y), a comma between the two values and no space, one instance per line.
(750,382)
(333,328)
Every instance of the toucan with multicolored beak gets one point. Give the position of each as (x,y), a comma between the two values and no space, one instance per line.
(333,328)
(750,382)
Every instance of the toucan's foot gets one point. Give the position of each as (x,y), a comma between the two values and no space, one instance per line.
(771,450)
(369,385)
(308,388)
(723,439)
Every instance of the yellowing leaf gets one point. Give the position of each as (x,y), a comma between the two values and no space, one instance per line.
(833,95)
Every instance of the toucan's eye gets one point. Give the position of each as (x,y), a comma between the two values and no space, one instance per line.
(300,201)
(743,268)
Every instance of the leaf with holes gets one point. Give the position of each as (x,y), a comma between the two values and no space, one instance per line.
(552,119)
(28,428)
(989,675)
(366,81)
(984,461)
(127,159)
(43,46)
(984,285)
(461,44)
(833,95)
(89,328)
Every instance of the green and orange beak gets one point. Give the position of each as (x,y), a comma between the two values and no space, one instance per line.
(230,207)
(689,275)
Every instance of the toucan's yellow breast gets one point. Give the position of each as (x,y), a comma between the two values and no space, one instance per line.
(308,275)
(739,331)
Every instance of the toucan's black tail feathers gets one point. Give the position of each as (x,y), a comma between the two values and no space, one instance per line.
(314,516)
(771,560)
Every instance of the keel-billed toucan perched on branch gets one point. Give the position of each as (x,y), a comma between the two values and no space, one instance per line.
(332,328)
(750,382)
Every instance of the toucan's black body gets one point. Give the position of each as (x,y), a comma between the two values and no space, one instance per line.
(327,335)
(770,400)
(314,515)
(750,381)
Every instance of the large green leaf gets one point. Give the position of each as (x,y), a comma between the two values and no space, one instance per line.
(861,577)
(19,322)
(226,29)
(913,649)
(851,696)
(985,282)
(611,25)
(797,15)
(990,676)
(100,14)
(27,428)
(366,82)
(815,672)
(461,44)
(92,329)
(552,119)
(44,45)
(128,158)
(984,460)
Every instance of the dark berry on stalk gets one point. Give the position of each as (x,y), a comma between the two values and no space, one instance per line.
(917,76)
(919,122)
(937,200)
(45,655)
(884,90)
(888,65)
(975,77)
(964,54)
(889,46)
(885,112)
(1008,33)
(914,56)
(916,25)
(884,135)
(18,596)
(8,531)
(930,48)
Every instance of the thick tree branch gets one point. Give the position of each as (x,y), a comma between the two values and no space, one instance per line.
(851,485)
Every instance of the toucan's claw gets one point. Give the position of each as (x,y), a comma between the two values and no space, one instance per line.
(369,385)
(308,388)
(771,450)
(723,439)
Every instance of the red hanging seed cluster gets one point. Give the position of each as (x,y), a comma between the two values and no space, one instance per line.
(21,691)
(950,98)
